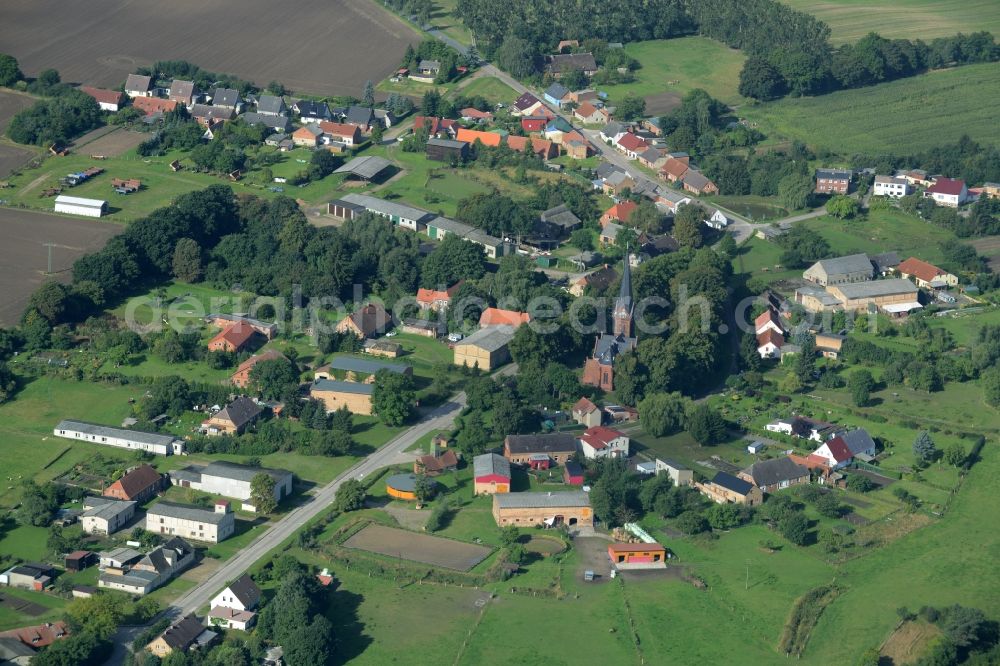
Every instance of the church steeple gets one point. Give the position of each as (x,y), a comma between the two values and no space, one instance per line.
(622,313)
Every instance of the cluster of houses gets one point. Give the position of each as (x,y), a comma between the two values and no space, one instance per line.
(951,192)
(849,283)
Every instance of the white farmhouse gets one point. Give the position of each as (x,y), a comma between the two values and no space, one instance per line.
(192,522)
(891,186)
(603,442)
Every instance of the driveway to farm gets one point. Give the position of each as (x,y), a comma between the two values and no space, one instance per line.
(440,418)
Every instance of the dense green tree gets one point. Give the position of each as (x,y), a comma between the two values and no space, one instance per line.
(350,496)
(516,56)
(955,455)
(706,425)
(727,516)
(843,207)
(262,493)
(10,72)
(692,522)
(652,489)
(393,397)
(796,191)
(687,228)
(924,449)
(663,413)
(187,260)
(861,384)
(453,259)
(761,80)
(630,107)
(275,378)
(37,505)
(614,496)
(795,528)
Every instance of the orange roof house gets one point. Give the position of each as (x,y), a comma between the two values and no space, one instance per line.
(925,274)
(40,635)
(475,114)
(349,134)
(673,170)
(108,100)
(486,138)
(234,338)
(433,299)
(151,105)
(365,321)
(620,212)
(137,485)
(498,317)
(241,377)
(541,147)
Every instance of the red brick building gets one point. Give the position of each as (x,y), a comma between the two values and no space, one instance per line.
(138,485)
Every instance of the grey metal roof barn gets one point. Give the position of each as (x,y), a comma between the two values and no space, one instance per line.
(490,463)
(390,208)
(367,167)
(105,431)
(556,442)
(541,500)
(186,512)
(343,387)
(562,216)
(877,288)
(351,364)
(490,338)
(231,470)
(854,263)
(773,472)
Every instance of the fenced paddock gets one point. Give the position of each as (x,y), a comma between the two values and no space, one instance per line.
(393,542)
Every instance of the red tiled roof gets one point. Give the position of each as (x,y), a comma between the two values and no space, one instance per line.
(586,110)
(102,95)
(674,167)
(138,480)
(486,138)
(621,211)
(533,124)
(433,125)
(947,186)
(39,635)
(600,436)
(920,269)
(471,112)
(151,105)
(498,317)
(768,315)
(268,355)
(632,142)
(338,129)
(538,146)
(431,296)
(236,335)
(584,406)
(839,449)
(772,336)
(446,460)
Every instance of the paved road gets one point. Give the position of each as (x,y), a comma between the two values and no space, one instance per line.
(441,418)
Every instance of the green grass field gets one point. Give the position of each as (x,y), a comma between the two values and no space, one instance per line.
(491,88)
(900,117)
(680,65)
(850,20)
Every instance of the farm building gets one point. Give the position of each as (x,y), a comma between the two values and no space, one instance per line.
(679,474)
(365,322)
(367,167)
(572,473)
(446,150)
(409,217)
(927,276)
(192,522)
(360,369)
(775,474)
(603,442)
(491,474)
(129,571)
(163,445)
(334,394)
(136,485)
(549,509)
(403,486)
(80,206)
(725,488)
(108,100)
(637,555)
(485,349)
(231,479)
(539,451)
(436,462)
(267,329)
(233,339)
(895,296)
(234,418)
(30,576)
(840,270)
(241,377)
(383,348)
(103,515)
(435,299)
(79,560)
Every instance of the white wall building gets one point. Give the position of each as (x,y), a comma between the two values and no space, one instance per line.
(232,480)
(679,474)
(151,442)
(603,442)
(192,522)
(891,186)
(81,206)
(103,515)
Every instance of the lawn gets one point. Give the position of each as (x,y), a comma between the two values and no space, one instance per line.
(754,208)
(677,66)
(850,20)
(10,619)
(901,117)
(445,18)
(491,88)
(24,542)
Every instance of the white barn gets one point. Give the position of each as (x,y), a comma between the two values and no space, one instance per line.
(163,445)
(232,480)
(81,206)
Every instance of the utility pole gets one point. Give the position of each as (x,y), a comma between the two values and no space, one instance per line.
(50,246)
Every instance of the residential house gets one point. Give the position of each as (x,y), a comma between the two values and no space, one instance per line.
(271,105)
(152,106)
(674,170)
(927,276)
(725,488)
(105,516)
(775,474)
(108,100)
(539,451)
(227,98)
(307,136)
(542,508)
(652,158)
(556,94)
(192,522)
(137,485)
(916,177)
(241,378)
(356,397)
(234,418)
(267,329)
(232,480)
(540,147)
(603,442)
(840,270)
(436,300)
(586,413)
(803,428)
(615,184)
(557,128)
(834,452)
(590,114)
(525,105)
(498,317)
(138,85)
(611,132)
(361,117)
(178,637)
(34,576)
(631,145)
(671,201)
(342,133)
(181,92)
(599,280)
(233,339)
(557,65)
(619,213)
(312,112)
(890,186)
(129,571)
(230,618)
(948,192)
(367,321)
(446,150)
(208,115)
(678,473)
(474,115)
(486,349)
(151,442)
(427,71)
(437,462)
(769,344)
(696,183)
(492,139)
(828,345)
(35,637)
(717,220)
(241,594)
(274,123)
(768,319)
(833,181)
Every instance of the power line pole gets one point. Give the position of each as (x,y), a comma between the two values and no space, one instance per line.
(50,246)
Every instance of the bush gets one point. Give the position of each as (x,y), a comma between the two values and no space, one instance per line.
(55,120)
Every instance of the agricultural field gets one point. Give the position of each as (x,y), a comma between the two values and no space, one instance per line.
(673,67)
(25,256)
(850,20)
(900,117)
(269,45)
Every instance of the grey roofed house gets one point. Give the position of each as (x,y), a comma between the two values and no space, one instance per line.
(366,166)
(834,174)
(490,338)
(843,266)
(613,128)
(617,178)
(342,387)
(359,115)
(209,112)
(556,442)
(240,412)
(730,482)
(885,262)
(696,179)
(858,441)
(180,635)
(877,288)
(225,97)
(429,66)
(482,238)
(568,62)
(279,123)
(556,91)
(106,431)
(306,108)
(271,105)
(605,169)
(365,366)
(611,230)
(244,589)
(185,512)
(231,470)
(390,208)
(182,89)
(542,500)
(775,471)
(561,216)
(275,139)
(140,579)
(105,508)
(651,155)
(490,463)
(138,83)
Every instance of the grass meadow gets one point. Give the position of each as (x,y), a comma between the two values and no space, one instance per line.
(850,20)
(491,88)
(902,117)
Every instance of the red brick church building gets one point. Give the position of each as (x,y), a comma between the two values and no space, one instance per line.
(599,369)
